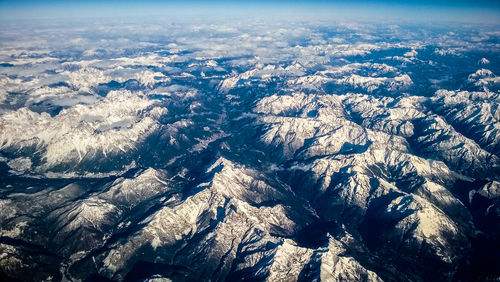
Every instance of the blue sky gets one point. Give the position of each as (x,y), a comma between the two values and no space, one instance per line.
(390,10)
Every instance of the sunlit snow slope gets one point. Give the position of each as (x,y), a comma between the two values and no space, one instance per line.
(249,150)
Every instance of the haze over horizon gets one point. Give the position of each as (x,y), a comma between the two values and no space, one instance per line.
(387,10)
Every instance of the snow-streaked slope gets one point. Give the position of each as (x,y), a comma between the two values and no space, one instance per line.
(112,126)
(376,172)
(264,150)
(206,229)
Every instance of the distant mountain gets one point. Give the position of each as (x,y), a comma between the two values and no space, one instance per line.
(249,150)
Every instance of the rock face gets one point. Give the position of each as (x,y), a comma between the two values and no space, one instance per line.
(250,152)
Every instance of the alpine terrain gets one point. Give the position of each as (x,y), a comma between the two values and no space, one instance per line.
(249,149)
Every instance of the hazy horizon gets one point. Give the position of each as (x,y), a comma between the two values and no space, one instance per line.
(487,12)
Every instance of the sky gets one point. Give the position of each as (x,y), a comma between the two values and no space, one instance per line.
(480,11)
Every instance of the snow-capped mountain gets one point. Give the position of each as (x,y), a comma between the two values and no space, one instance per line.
(275,151)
